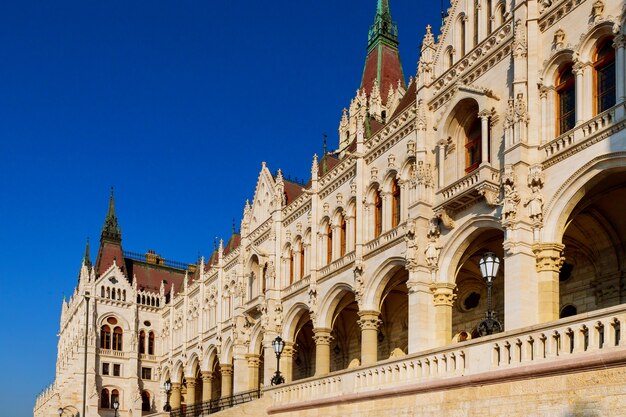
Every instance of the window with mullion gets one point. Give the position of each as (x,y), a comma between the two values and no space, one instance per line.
(566,93)
(605,78)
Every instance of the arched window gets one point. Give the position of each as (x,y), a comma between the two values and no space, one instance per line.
(145,401)
(476,23)
(102,292)
(291,266)
(342,236)
(105,337)
(117,338)
(473,145)
(566,97)
(462,36)
(115,397)
(105,399)
(142,342)
(395,203)
(378,214)
(329,243)
(301,259)
(604,67)
(450,57)
(151,343)
(489,16)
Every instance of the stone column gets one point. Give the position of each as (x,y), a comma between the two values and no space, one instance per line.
(254,361)
(484,136)
(190,399)
(240,370)
(549,261)
(207,385)
(545,118)
(620,81)
(175,395)
(420,318)
(444,296)
(227,380)
(520,283)
(322,339)
(441,156)
(579,71)
(369,323)
(286,361)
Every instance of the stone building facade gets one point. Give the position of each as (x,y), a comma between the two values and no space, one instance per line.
(510,138)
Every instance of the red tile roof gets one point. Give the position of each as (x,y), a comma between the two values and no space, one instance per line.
(149,276)
(292,190)
(388,72)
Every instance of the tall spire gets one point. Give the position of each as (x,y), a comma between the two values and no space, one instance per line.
(111,229)
(87,257)
(382,65)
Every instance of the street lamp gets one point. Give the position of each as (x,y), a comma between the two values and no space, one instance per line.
(278,344)
(489,265)
(116,406)
(168,388)
(60,410)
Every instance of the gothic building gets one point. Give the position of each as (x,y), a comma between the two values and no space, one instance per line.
(508,142)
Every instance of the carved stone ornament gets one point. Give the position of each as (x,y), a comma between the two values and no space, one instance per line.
(511,196)
(443,294)
(391,161)
(410,148)
(411,251)
(490,194)
(549,256)
(359,286)
(520,48)
(597,10)
(559,39)
(369,323)
(374,173)
(445,219)
(353,188)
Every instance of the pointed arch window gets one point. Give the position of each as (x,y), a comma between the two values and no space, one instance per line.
(604,67)
(473,140)
(566,97)
(291,266)
(476,22)
(151,343)
(105,337)
(329,243)
(142,342)
(117,339)
(395,203)
(378,214)
(342,236)
(462,35)
(301,259)
(105,398)
(489,16)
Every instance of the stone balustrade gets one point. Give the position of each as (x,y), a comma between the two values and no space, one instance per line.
(337,264)
(469,189)
(113,353)
(564,343)
(297,286)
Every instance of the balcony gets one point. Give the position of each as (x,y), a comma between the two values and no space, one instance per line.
(483,182)
(585,342)
(336,265)
(297,286)
(112,353)
(584,135)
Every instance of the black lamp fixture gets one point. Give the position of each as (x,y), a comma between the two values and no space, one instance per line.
(278,344)
(60,411)
(116,406)
(167,385)
(489,265)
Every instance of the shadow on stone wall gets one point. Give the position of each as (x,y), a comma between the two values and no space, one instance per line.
(583,409)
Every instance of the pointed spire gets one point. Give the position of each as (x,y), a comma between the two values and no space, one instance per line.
(111,229)
(383,26)
(87,257)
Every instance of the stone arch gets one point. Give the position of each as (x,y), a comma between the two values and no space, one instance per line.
(376,285)
(121,321)
(209,358)
(330,302)
(256,338)
(596,34)
(165,375)
(193,363)
(550,71)
(291,320)
(457,244)
(178,373)
(226,356)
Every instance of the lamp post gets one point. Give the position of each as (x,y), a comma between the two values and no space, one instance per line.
(489,265)
(60,410)
(116,406)
(278,344)
(168,388)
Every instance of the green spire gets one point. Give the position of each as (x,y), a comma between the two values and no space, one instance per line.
(87,258)
(384,28)
(111,229)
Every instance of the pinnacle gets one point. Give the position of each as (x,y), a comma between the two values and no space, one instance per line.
(111,229)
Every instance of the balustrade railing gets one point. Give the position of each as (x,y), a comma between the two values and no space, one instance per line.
(213,406)
(297,286)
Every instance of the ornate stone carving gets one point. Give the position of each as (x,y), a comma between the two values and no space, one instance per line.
(559,39)
(520,48)
(411,246)
(322,336)
(490,194)
(443,294)
(369,323)
(313,301)
(359,285)
(511,196)
(549,256)
(597,10)
(445,219)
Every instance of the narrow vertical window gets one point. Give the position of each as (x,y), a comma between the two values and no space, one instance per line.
(476,23)
(301,259)
(566,97)
(489,17)
(604,66)
(105,399)
(145,401)
(342,237)
(117,338)
(115,397)
(329,243)
(142,342)
(291,266)
(395,203)
(473,145)
(378,214)
(105,337)
(463,34)
(151,343)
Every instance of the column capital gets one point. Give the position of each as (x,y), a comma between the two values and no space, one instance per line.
(369,320)
(254,360)
(175,386)
(207,376)
(619,41)
(289,350)
(226,369)
(322,336)
(191,382)
(443,293)
(549,256)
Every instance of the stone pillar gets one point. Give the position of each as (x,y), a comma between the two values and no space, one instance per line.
(322,339)
(369,323)
(286,361)
(420,305)
(520,283)
(207,385)
(441,156)
(227,380)
(254,361)
(444,296)
(175,395)
(549,258)
(190,399)
(484,136)
(579,71)
(240,371)
(620,68)
(545,118)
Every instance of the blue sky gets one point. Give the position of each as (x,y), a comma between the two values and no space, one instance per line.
(175,104)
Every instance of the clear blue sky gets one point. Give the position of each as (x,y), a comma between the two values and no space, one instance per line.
(175,104)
